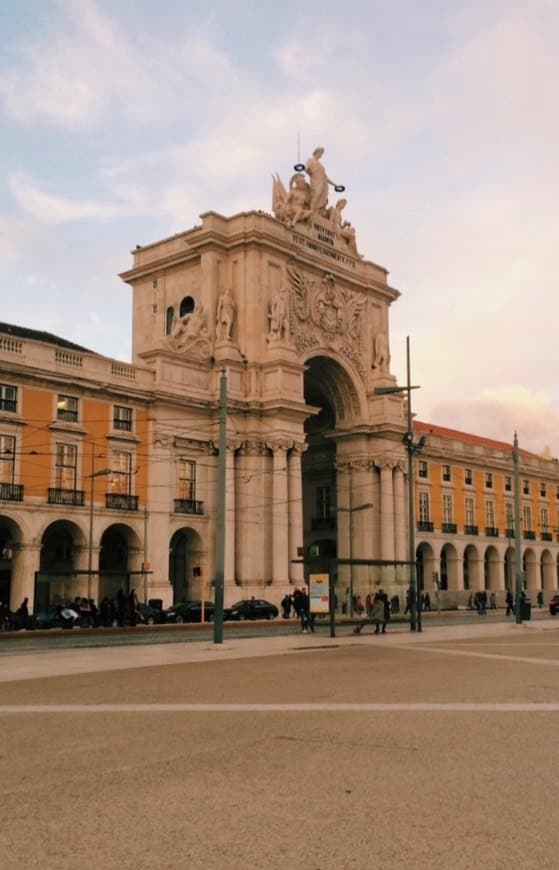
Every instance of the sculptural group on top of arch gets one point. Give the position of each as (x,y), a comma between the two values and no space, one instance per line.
(306,202)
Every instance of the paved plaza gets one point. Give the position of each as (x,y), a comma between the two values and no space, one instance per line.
(296,751)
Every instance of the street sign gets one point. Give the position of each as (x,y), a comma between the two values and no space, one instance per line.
(319,593)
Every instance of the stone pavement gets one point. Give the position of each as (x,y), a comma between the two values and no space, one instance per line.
(426,750)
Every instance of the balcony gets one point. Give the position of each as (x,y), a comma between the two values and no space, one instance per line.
(509,533)
(188,506)
(66,496)
(425,526)
(8,405)
(546,536)
(121,502)
(491,532)
(11,491)
(529,535)
(449,528)
(471,530)
(67,416)
(122,425)
(321,523)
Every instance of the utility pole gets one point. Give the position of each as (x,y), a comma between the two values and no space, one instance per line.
(220,530)
(517,532)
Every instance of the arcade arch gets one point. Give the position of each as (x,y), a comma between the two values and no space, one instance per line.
(186,565)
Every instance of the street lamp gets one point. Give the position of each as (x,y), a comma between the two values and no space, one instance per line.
(412,447)
(517,532)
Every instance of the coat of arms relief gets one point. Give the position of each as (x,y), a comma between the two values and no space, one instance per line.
(322,313)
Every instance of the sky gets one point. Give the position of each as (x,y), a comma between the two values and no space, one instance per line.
(121,121)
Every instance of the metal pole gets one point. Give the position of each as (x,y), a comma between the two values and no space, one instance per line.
(517,534)
(220,530)
(415,612)
(145,578)
(91,495)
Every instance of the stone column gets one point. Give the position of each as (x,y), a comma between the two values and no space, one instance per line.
(362,524)
(229,572)
(343,498)
(401,523)
(25,563)
(387,518)
(280,542)
(295,496)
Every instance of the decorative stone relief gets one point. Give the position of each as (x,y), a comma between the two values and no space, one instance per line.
(190,334)
(381,355)
(278,316)
(323,313)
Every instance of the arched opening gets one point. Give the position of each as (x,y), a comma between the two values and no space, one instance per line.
(114,561)
(332,500)
(530,569)
(509,569)
(10,536)
(169,318)
(57,581)
(448,570)
(471,568)
(186,306)
(425,566)
(491,569)
(186,567)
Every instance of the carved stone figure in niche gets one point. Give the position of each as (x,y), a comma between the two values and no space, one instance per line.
(342,228)
(381,356)
(279,315)
(225,316)
(189,327)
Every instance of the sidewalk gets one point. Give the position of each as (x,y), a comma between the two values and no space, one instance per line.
(64,662)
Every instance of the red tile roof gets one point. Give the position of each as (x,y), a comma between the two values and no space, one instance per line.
(455,434)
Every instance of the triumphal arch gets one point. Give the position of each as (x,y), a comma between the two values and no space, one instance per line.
(299,319)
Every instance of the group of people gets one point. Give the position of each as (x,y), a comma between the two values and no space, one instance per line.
(298,603)
(378,612)
(123,609)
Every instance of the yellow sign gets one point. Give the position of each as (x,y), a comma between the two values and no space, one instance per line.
(319,593)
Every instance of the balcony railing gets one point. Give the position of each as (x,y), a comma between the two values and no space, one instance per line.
(491,532)
(8,405)
(67,416)
(121,502)
(188,506)
(122,425)
(509,533)
(11,491)
(449,528)
(546,536)
(425,526)
(471,530)
(318,523)
(529,535)
(66,496)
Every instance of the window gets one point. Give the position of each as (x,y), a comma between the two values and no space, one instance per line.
(122,418)
(508,484)
(544,520)
(121,472)
(447,508)
(423,507)
(66,466)
(169,317)
(488,480)
(557,492)
(447,473)
(470,512)
(323,502)
(187,480)
(186,306)
(423,468)
(8,398)
(67,409)
(509,516)
(7,458)
(526,487)
(468,477)
(543,490)
(527,517)
(490,514)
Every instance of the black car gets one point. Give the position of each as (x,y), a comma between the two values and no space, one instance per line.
(251,608)
(554,605)
(151,615)
(56,617)
(190,611)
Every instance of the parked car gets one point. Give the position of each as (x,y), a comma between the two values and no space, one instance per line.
(56,617)
(151,615)
(190,611)
(251,608)
(554,605)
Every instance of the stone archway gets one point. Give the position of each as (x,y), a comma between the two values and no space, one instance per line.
(186,567)
(57,581)
(470,564)
(546,568)
(117,545)
(10,538)
(491,569)
(425,568)
(509,569)
(448,570)
(530,569)
(336,496)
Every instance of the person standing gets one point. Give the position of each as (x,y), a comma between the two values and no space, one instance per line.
(509,600)
(378,614)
